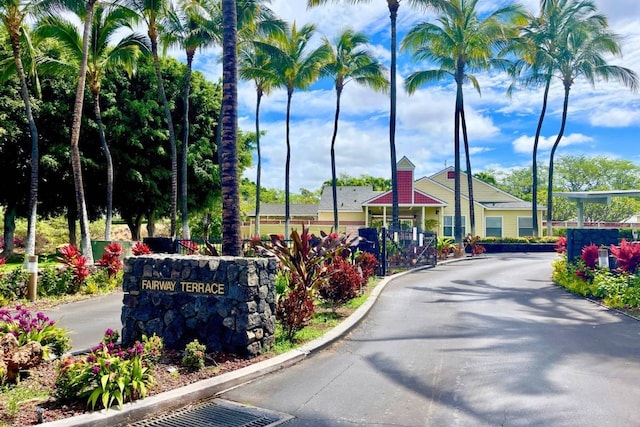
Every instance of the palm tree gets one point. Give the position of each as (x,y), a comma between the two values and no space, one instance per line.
(394,5)
(231,237)
(102,59)
(152,12)
(349,61)
(13,14)
(295,67)
(581,52)
(187,28)
(461,43)
(537,50)
(256,65)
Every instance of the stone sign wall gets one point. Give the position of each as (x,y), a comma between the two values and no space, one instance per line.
(578,238)
(227,303)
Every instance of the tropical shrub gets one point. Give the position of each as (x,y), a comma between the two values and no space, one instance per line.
(561,245)
(444,246)
(295,310)
(140,248)
(109,374)
(590,256)
(153,347)
(344,283)
(27,327)
(194,354)
(73,259)
(627,256)
(13,284)
(474,243)
(53,281)
(111,259)
(368,263)
(306,262)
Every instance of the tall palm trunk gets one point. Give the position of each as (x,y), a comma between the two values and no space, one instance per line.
(186,232)
(334,189)
(107,155)
(457,218)
(259,93)
(9,225)
(567,88)
(393,15)
(85,237)
(231,237)
(153,37)
(472,210)
(536,141)
(286,168)
(30,246)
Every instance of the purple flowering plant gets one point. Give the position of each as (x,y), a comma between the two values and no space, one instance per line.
(27,327)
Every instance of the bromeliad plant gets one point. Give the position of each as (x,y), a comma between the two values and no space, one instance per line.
(74,260)
(27,327)
(109,374)
(140,248)
(111,259)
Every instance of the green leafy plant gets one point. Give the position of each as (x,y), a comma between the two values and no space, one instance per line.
(194,354)
(444,246)
(27,327)
(109,374)
(13,285)
(99,282)
(153,347)
(53,281)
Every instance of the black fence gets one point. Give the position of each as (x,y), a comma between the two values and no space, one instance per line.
(394,250)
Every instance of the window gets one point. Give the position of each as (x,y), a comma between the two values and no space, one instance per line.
(493,226)
(447,229)
(525,226)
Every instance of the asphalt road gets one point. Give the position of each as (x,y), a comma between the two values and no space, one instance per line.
(482,342)
(88,320)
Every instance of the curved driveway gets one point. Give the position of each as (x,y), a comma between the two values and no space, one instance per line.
(481,342)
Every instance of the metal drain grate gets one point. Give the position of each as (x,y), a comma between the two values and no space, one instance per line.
(218,413)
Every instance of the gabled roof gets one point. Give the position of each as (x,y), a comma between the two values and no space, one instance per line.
(350,198)
(475,180)
(417,198)
(510,205)
(296,209)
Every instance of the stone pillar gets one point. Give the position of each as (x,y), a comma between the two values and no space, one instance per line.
(227,303)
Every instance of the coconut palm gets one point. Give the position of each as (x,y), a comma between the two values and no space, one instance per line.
(295,67)
(256,65)
(394,5)
(460,43)
(231,237)
(537,48)
(103,58)
(185,25)
(152,12)
(582,49)
(349,61)
(13,14)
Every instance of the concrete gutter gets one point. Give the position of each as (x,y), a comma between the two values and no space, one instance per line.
(205,389)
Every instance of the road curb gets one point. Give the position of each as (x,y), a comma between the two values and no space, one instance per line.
(181,397)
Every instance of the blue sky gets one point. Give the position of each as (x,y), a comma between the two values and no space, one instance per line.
(604,120)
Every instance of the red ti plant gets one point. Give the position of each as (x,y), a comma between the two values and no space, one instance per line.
(561,245)
(306,260)
(590,256)
(2,261)
(72,258)
(368,264)
(627,256)
(140,248)
(111,259)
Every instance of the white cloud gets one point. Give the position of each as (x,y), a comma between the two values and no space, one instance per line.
(524,144)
